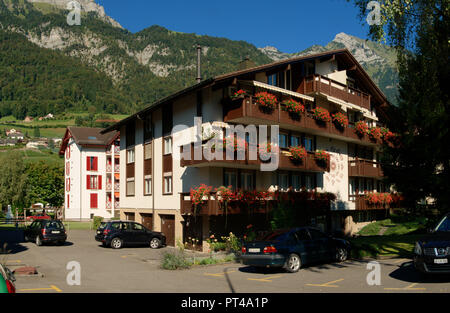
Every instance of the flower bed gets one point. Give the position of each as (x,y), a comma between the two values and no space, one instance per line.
(321,115)
(266,101)
(293,107)
(340,120)
(361,128)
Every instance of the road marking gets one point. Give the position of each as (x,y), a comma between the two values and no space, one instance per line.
(329,284)
(266,279)
(410,287)
(52,287)
(218,274)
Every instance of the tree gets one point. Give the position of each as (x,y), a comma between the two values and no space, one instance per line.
(420,161)
(13,180)
(45,184)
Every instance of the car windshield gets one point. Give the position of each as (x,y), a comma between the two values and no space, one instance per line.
(54,225)
(444,224)
(275,235)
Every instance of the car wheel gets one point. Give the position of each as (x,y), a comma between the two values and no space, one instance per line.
(341,254)
(38,241)
(116,243)
(155,243)
(293,263)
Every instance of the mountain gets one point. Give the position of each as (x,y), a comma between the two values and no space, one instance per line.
(378,60)
(140,67)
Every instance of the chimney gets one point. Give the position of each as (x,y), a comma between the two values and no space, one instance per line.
(199,58)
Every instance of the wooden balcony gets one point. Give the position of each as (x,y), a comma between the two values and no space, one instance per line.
(362,204)
(247,111)
(364,168)
(324,85)
(309,164)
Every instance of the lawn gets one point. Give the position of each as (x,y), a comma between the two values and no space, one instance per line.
(34,155)
(398,240)
(78,225)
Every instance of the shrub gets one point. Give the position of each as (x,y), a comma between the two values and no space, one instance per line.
(321,114)
(266,100)
(97,221)
(175,261)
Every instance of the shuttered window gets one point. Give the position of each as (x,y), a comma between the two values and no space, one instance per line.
(92,163)
(94,201)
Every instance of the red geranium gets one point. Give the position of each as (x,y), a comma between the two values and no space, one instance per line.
(340,119)
(361,128)
(297,153)
(293,107)
(266,100)
(321,114)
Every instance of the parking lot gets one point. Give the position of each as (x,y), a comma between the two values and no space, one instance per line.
(137,270)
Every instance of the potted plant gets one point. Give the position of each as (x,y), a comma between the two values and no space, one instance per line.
(240,94)
(224,195)
(266,101)
(322,157)
(298,153)
(294,108)
(375,133)
(340,120)
(197,196)
(361,128)
(321,115)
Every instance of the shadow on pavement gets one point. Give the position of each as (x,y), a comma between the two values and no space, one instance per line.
(407,273)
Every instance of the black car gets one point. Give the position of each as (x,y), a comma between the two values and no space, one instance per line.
(293,248)
(119,233)
(432,252)
(43,231)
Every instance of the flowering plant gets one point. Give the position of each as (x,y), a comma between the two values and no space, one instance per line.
(293,107)
(322,155)
(340,119)
(321,114)
(224,194)
(361,128)
(267,148)
(197,195)
(266,100)
(239,94)
(238,143)
(375,133)
(378,198)
(386,134)
(297,153)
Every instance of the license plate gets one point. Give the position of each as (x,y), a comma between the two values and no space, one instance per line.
(55,232)
(254,250)
(440,261)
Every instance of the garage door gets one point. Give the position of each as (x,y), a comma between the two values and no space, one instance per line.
(168,228)
(129,216)
(147,220)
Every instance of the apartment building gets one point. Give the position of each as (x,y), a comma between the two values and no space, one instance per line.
(155,184)
(92,173)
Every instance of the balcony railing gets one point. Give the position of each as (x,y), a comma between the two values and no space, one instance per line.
(117,187)
(364,168)
(108,205)
(108,168)
(310,163)
(116,168)
(322,84)
(211,206)
(108,186)
(116,149)
(246,110)
(116,205)
(362,204)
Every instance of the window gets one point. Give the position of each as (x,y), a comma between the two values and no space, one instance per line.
(92,163)
(130,156)
(283,138)
(94,182)
(303,234)
(230,179)
(296,182)
(272,80)
(67,168)
(130,134)
(148,128)
(247,181)
(283,181)
(130,186)
(352,187)
(309,182)
(168,184)
(67,184)
(94,201)
(147,151)
(148,185)
(317,234)
(136,226)
(167,145)
(167,119)
(295,141)
(308,143)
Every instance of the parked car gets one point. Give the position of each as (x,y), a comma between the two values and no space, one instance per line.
(116,234)
(43,231)
(7,280)
(432,252)
(39,217)
(293,248)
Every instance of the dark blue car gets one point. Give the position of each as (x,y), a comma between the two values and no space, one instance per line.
(294,248)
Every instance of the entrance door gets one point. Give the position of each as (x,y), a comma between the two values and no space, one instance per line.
(168,228)
(147,221)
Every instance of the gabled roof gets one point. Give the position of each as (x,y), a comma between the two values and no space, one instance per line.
(87,136)
(380,99)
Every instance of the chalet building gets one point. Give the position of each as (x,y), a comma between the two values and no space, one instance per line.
(155,185)
(92,173)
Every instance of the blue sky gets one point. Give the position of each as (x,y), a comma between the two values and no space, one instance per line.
(289,25)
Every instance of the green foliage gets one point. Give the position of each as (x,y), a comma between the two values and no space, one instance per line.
(36,132)
(175,261)
(97,221)
(13,180)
